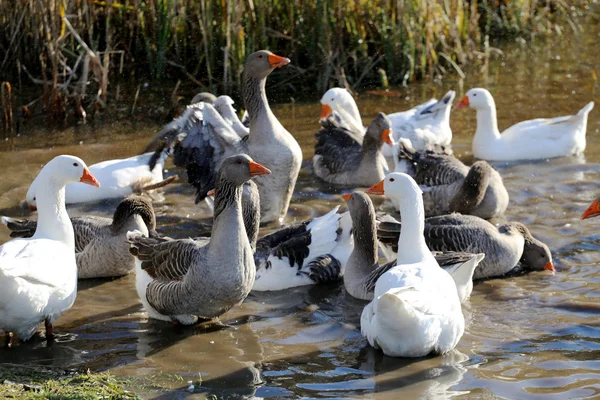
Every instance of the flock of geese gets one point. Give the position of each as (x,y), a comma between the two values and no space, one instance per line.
(246,169)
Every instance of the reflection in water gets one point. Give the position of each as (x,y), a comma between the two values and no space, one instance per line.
(530,336)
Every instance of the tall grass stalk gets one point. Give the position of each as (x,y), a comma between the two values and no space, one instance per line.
(331,42)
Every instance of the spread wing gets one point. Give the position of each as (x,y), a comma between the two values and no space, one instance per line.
(207,140)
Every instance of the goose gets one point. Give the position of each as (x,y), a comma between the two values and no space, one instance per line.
(363,269)
(119,178)
(592,211)
(426,124)
(449,185)
(504,246)
(209,139)
(224,105)
(342,161)
(311,252)
(182,280)
(415,309)
(528,140)
(38,275)
(100,247)
(204,97)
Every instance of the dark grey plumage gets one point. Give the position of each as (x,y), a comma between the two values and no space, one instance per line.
(504,246)
(100,248)
(450,186)
(342,160)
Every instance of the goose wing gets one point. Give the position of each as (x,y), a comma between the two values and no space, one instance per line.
(201,139)
(335,145)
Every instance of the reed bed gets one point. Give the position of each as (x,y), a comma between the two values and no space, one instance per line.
(73,49)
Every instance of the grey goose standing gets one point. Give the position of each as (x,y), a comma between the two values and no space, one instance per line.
(101,250)
(209,139)
(363,269)
(182,280)
(449,185)
(504,246)
(342,160)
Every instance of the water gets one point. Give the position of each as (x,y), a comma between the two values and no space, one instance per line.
(533,336)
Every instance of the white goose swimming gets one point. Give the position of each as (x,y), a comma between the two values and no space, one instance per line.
(426,125)
(38,276)
(528,140)
(416,307)
(119,178)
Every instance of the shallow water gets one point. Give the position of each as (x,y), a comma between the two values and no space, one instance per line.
(532,336)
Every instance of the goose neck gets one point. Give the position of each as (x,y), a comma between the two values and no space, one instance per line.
(255,100)
(412,247)
(370,146)
(53,220)
(487,122)
(228,212)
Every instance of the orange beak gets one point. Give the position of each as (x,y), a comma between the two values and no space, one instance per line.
(32,207)
(463,103)
(256,169)
(278,61)
(88,178)
(592,211)
(325,111)
(376,189)
(386,136)
(346,196)
(549,266)
(211,193)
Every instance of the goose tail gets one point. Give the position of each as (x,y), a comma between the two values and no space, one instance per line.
(586,110)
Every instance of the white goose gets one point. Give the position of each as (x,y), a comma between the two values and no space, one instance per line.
(38,276)
(528,140)
(119,178)
(425,125)
(416,308)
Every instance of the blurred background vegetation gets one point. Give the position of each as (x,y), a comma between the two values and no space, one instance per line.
(77,53)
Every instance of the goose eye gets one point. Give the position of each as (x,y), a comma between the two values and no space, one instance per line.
(391,179)
(260,56)
(239,161)
(76,164)
(332,99)
(379,125)
(34,199)
(474,94)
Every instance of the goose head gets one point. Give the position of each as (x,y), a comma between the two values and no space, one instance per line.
(261,63)
(380,129)
(223,104)
(478,99)
(339,100)
(536,255)
(239,169)
(360,207)
(204,97)
(63,170)
(397,186)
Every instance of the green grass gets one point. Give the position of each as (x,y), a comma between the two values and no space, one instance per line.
(35,382)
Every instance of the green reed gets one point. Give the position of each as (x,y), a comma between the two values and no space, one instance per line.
(337,42)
